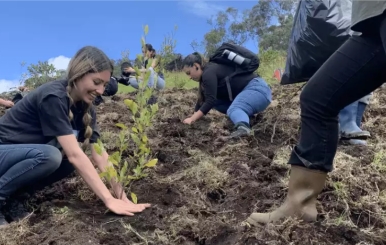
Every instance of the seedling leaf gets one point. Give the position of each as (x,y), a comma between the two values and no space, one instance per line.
(121,125)
(151,163)
(134,198)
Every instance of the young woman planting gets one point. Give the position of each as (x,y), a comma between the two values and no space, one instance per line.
(251,93)
(54,117)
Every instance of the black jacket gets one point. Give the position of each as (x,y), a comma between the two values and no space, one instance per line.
(214,86)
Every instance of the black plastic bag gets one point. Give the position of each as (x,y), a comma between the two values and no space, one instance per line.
(319,29)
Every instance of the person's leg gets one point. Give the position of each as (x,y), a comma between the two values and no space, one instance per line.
(15,204)
(348,122)
(23,165)
(362,103)
(255,98)
(64,170)
(160,81)
(134,83)
(360,62)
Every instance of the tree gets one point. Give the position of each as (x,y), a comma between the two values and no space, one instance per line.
(277,37)
(227,26)
(260,27)
(256,23)
(166,54)
(40,74)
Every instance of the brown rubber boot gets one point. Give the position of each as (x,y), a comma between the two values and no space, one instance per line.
(304,187)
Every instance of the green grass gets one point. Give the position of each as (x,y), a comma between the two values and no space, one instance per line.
(269,62)
(172,79)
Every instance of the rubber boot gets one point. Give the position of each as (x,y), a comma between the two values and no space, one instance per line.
(242,129)
(348,123)
(3,221)
(304,187)
(360,112)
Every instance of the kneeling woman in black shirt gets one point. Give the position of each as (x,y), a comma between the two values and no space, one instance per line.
(55,116)
(251,93)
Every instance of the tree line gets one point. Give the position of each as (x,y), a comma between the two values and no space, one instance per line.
(267,23)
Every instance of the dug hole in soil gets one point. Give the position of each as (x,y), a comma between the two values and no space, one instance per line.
(204,186)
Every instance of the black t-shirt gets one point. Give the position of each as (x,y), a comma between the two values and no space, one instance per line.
(214,85)
(42,115)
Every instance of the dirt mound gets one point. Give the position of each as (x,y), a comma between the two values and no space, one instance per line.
(204,186)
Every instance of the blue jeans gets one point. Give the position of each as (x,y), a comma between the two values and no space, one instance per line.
(30,167)
(254,98)
(160,81)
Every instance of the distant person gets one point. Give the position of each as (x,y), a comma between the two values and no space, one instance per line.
(52,119)
(129,77)
(156,62)
(149,53)
(251,93)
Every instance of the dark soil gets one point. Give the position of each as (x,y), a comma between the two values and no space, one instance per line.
(204,185)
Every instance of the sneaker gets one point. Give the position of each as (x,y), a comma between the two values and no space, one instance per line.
(242,129)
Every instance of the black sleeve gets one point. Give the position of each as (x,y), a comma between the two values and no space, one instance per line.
(111,88)
(197,107)
(54,116)
(209,83)
(124,81)
(95,129)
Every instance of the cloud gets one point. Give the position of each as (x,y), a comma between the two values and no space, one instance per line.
(201,9)
(5,85)
(60,62)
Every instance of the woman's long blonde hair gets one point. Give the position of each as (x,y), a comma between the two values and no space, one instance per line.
(87,60)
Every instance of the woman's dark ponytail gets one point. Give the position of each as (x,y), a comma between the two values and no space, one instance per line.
(194,58)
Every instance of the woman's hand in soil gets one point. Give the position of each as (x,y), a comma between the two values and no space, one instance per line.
(188,120)
(125,208)
(126,200)
(146,205)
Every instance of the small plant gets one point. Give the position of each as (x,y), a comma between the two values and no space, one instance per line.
(143,113)
(178,81)
(340,189)
(378,162)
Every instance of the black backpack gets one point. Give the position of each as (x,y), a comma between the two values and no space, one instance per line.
(241,59)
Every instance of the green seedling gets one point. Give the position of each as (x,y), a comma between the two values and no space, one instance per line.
(143,113)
